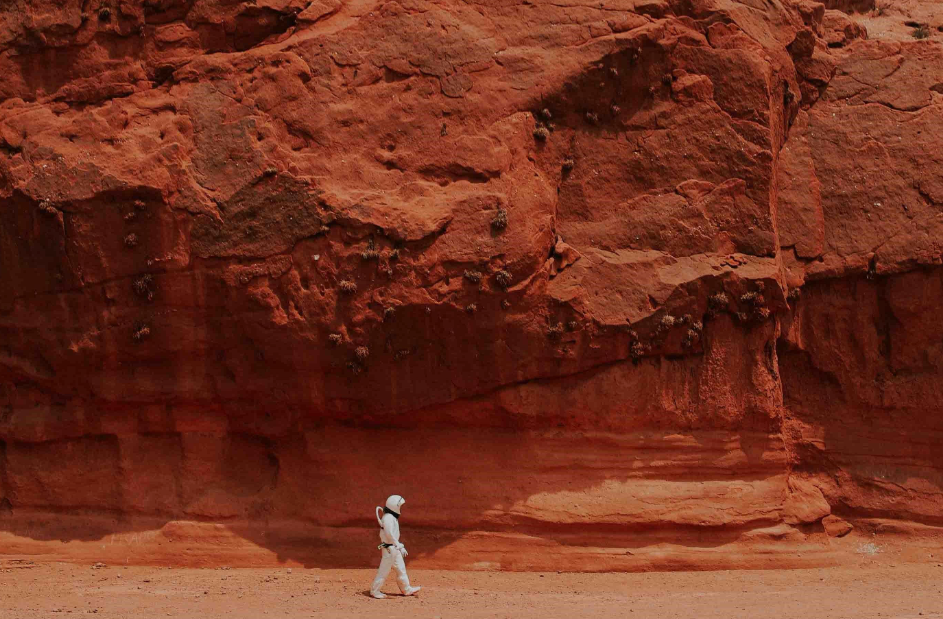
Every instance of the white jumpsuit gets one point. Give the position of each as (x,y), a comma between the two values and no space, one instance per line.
(392,556)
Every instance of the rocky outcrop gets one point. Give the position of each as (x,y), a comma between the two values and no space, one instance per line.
(649,285)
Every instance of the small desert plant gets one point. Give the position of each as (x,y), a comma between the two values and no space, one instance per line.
(46,208)
(335,338)
(568,164)
(697,326)
(139,205)
(505,304)
(545,114)
(471,308)
(324,229)
(637,350)
(370,254)
(401,354)
(503,278)
(690,338)
(388,313)
(666,79)
(473,276)
(555,331)
(614,109)
(921,32)
(500,221)
(762,313)
(131,216)
(394,254)
(592,118)
(794,295)
(718,301)
(752,298)
(105,14)
(362,352)
(142,286)
(141,333)
(667,322)
(541,133)
(614,72)
(131,240)
(347,287)
(572,325)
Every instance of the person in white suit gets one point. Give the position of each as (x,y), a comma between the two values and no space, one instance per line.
(392,549)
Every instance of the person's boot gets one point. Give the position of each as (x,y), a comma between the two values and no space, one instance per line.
(412,590)
(377,595)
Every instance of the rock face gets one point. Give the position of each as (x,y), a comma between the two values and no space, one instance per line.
(646,284)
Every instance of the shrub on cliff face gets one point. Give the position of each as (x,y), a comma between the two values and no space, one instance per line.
(752,298)
(667,322)
(921,32)
(141,333)
(718,301)
(131,240)
(142,286)
(500,221)
(555,331)
(473,276)
(46,208)
(503,278)
(347,287)
(541,133)
(362,352)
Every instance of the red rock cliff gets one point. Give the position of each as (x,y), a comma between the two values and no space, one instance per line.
(612,285)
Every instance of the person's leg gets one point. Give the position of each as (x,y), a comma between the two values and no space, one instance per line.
(402,579)
(385,564)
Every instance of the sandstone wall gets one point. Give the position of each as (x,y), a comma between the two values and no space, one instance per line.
(638,284)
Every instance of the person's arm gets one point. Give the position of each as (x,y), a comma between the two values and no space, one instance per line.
(393,533)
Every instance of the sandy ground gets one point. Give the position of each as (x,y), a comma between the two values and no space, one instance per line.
(875,588)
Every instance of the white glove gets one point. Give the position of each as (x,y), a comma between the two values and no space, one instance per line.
(402,549)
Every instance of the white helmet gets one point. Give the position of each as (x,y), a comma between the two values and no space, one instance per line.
(395,503)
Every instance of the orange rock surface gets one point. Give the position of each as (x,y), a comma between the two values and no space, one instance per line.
(596,285)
